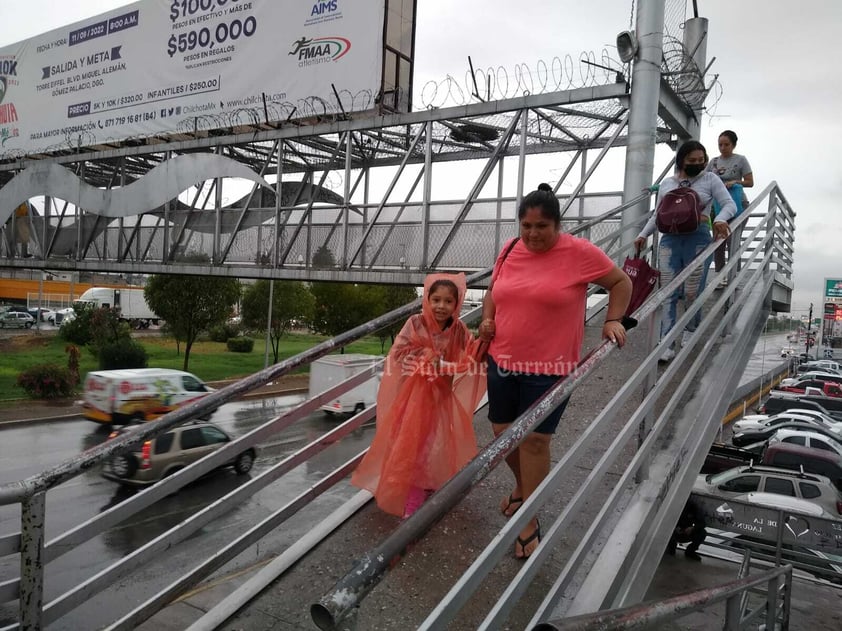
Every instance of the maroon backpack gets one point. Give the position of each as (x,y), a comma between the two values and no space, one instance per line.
(679,211)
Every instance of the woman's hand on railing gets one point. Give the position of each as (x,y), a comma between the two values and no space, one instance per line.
(721,230)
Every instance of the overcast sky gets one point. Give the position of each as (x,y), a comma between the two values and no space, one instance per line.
(776,60)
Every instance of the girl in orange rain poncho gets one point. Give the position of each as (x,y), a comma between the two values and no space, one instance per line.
(425,406)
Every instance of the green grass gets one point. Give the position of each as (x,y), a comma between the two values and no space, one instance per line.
(211,361)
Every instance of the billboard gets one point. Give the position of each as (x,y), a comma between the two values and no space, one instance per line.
(159,66)
(833,288)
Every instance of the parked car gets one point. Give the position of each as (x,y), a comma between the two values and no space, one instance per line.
(171,451)
(782,401)
(722,457)
(39,313)
(16,320)
(796,457)
(809,386)
(814,440)
(739,481)
(749,438)
(760,421)
(827,365)
(813,375)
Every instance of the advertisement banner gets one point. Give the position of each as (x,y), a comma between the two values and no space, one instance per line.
(833,288)
(169,66)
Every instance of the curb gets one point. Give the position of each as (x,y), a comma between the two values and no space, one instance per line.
(749,393)
(64,417)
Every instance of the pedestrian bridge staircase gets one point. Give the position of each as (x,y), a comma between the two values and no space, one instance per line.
(634,458)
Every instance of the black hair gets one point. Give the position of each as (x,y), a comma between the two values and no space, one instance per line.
(730,136)
(544,200)
(686,149)
(443,282)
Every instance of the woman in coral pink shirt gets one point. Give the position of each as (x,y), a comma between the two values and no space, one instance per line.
(533,317)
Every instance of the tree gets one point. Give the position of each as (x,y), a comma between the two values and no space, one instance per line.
(323,258)
(391,297)
(106,328)
(290,301)
(191,304)
(78,329)
(342,306)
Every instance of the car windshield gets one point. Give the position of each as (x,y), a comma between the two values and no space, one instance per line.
(719,478)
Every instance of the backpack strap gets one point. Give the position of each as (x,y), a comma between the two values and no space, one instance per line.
(506,255)
(509,250)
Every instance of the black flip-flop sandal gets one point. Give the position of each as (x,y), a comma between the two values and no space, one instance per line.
(512,500)
(536,534)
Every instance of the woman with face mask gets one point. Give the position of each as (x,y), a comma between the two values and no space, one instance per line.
(676,251)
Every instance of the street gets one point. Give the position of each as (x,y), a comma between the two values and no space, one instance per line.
(26,450)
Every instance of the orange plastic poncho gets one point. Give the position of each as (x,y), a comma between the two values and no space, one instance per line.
(432,383)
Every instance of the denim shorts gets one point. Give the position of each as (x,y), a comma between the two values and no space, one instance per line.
(511,393)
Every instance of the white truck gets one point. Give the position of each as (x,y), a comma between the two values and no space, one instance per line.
(130,302)
(330,370)
(139,394)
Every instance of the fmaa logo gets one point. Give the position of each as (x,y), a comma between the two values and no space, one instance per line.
(316,50)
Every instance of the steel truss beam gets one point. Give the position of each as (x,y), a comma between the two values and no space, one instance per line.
(575,121)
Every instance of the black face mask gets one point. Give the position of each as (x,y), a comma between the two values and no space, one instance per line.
(693,169)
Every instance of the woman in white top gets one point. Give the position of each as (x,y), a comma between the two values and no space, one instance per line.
(735,172)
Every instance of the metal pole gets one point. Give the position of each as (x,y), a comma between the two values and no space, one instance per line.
(583,177)
(276,247)
(366,191)
(346,198)
(31,601)
(217,223)
(497,240)
(643,118)
(269,323)
(244,594)
(521,164)
(696,40)
(428,190)
(79,217)
(165,253)
(274,256)
(809,328)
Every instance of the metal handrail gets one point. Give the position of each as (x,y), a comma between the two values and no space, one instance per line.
(35,487)
(494,551)
(31,489)
(349,590)
(649,614)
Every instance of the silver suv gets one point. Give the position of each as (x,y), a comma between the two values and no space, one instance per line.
(171,451)
(16,320)
(741,480)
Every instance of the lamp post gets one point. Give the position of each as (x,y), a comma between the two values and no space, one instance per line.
(807,342)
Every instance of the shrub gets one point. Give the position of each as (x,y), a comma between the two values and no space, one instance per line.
(78,330)
(124,353)
(224,332)
(46,381)
(73,362)
(240,344)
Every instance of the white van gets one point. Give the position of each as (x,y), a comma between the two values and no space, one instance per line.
(330,370)
(139,394)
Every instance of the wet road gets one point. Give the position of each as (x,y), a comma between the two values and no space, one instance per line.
(27,450)
(766,355)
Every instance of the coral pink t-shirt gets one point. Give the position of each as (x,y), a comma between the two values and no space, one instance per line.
(540,302)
